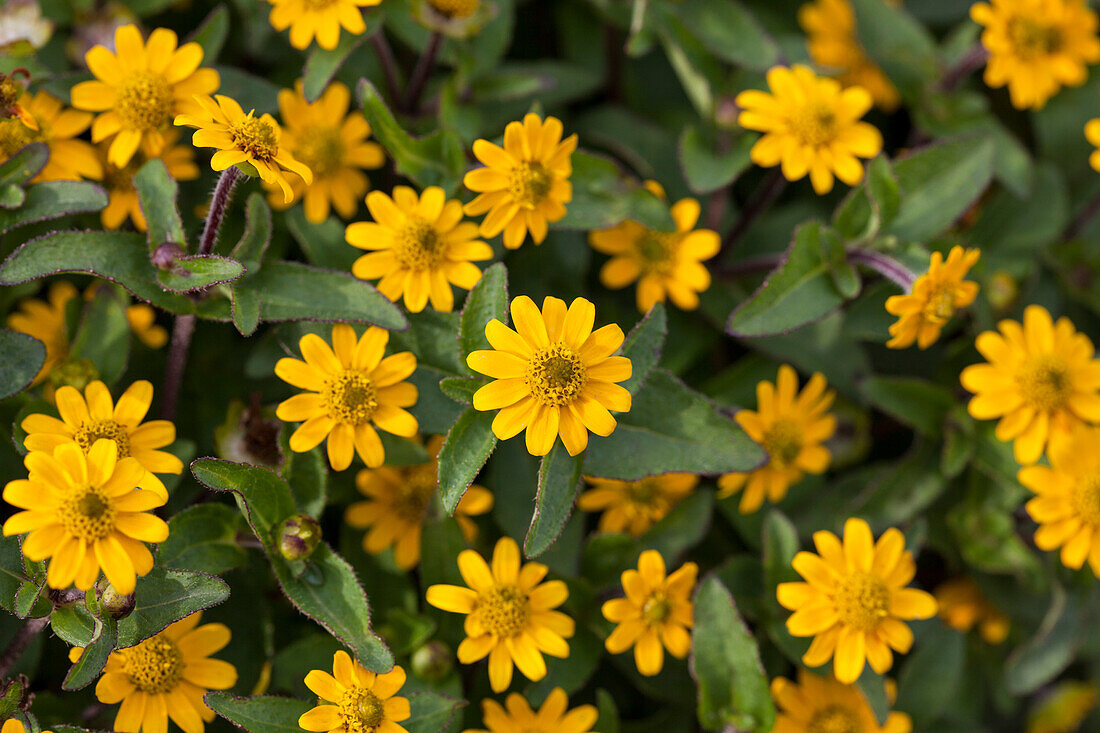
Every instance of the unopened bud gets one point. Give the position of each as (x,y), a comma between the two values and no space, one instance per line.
(433,661)
(110,603)
(298,536)
(1001,290)
(77,373)
(165,256)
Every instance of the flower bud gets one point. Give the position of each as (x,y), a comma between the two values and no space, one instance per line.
(1001,290)
(298,536)
(432,661)
(111,603)
(78,373)
(165,256)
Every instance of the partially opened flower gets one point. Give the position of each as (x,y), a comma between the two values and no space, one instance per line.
(635,506)
(355,700)
(45,321)
(552,717)
(963,606)
(71,158)
(933,299)
(319,18)
(817,704)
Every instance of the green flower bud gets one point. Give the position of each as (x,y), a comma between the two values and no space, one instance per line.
(77,373)
(298,536)
(432,661)
(110,603)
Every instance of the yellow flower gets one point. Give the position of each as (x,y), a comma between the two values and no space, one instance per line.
(45,321)
(243,139)
(70,158)
(348,387)
(655,614)
(509,613)
(397,499)
(1063,709)
(84,512)
(934,298)
(1092,134)
(665,264)
(525,184)
(166,676)
(635,506)
(556,376)
(420,247)
(354,700)
(321,18)
(139,89)
(962,605)
(810,125)
(855,600)
(833,43)
(14,725)
(550,718)
(1041,381)
(1037,46)
(179,160)
(333,144)
(817,704)
(143,322)
(791,427)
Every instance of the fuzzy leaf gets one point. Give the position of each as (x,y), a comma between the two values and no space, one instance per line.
(199,272)
(707,170)
(165,596)
(461,389)
(103,336)
(51,200)
(260,714)
(322,64)
(157,191)
(643,346)
(203,537)
(23,357)
(559,481)
(486,301)
(466,449)
(25,164)
(86,669)
(729,31)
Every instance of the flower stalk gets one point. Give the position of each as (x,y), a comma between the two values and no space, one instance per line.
(886,266)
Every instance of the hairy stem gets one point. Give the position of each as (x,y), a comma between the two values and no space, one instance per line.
(886,266)
(18,645)
(421,73)
(219,202)
(760,201)
(182,332)
(389,66)
(971,61)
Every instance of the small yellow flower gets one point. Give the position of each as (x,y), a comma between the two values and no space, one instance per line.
(1041,381)
(1092,134)
(85,513)
(933,300)
(397,500)
(1063,709)
(552,716)
(45,321)
(1037,46)
(139,89)
(320,18)
(817,704)
(655,615)
(143,322)
(241,138)
(421,246)
(811,125)
(962,605)
(166,676)
(179,160)
(333,144)
(348,387)
(855,600)
(556,376)
(70,158)
(635,506)
(509,613)
(11,98)
(14,725)
(791,427)
(354,700)
(525,184)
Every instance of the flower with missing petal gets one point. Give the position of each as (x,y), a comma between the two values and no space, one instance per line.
(817,704)
(59,128)
(319,18)
(963,605)
(552,717)
(355,700)
(635,506)
(933,299)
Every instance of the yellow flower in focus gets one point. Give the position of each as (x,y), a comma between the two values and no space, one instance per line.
(510,616)
(525,184)
(811,125)
(1063,709)
(139,88)
(553,376)
(320,18)
(655,614)
(179,160)
(552,717)
(1037,46)
(333,144)
(84,513)
(143,322)
(420,247)
(58,127)
(635,506)
(45,321)
(933,299)
(791,427)
(397,500)
(855,600)
(350,389)
(962,605)
(1092,134)
(1041,381)
(241,138)
(355,700)
(817,704)
(166,676)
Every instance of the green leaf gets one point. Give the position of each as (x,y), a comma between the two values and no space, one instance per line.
(307,474)
(707,170)
(725,661)
(165,596)
(74,624)
(203,537)
(12,196)
(683,527)
(26,600)
(260,714)
(432,712)
(322,64)
(252,246)
(559,481)
(603,197)
(323,244)
(780,546)
(466,449)
(917,403)
(901,46)
(1044,656)
(157,192)
(199,272)
(23,357)
(933,673)
(872,205)
(25,164)
(461,389)
(53,199)
(729,31)
(211,33)
(12,573)
(94,658)
(486,301)
(1019,228)
(643,346)
(104,334)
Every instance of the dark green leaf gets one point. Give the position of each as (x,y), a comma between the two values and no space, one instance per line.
(26,600)
(707,170)
(203,537)
(24,164)
(780,546)
(683,527)
(74,624)
(323,244)
(1043,657)
(51,200)
(730,32)
(94,658)
(157,193)
(904,49)
(23,357)
(199,272)
(322,64)
(461,389)
(165,596)
(559,481)
(603,197)
(466,449)
(261,714)
(643,346)
(12,574)
(307,474)
(932,673)
(104,334)
(211,33)
(252,246)
(486,301)
(431,712)
(919,404)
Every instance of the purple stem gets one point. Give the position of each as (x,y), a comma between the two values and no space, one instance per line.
(421,73)
(888,267)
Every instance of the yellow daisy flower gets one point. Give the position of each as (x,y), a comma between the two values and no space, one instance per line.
(179,160)
(817,703)
(348,387)
(84,512)
(139,88)
(70,158)
(397,500)
(962,605)
(509,613)
(1041,381)
(811,125)
(525,184)
(143,322)
(166,676)
(14,725)
(1063,709)
(11,97)
(556,376)
(45,321)
(243,139)
(655,615)
(635,506)
(664,264)
(855,600)
(421,246)
(333,144)
(354,700)
(791,426)
(320,18)
(552,716)
(1037,46)
(933,299)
